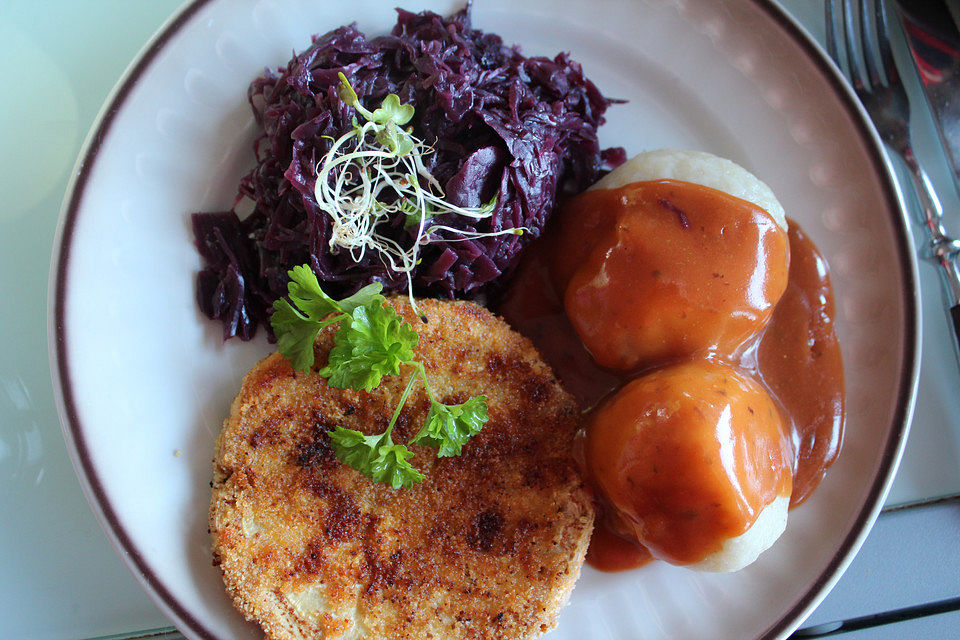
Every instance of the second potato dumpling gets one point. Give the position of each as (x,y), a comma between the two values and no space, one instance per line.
(695,462)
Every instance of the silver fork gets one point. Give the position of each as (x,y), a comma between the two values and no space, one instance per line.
(865,38)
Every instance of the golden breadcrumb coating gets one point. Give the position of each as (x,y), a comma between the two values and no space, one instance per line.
(488,546)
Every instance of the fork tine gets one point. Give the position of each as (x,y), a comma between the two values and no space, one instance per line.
(870,47)
(831,23)
(883,34)
(835,34)
(850,38)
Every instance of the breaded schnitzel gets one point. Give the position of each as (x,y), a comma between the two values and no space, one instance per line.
(487,546)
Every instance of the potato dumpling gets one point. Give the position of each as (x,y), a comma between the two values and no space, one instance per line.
(698,167)
(694,460)
(666,259)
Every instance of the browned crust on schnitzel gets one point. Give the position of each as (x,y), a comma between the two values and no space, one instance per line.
(488,546)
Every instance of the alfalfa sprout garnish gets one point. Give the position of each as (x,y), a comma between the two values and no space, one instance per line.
(374,171)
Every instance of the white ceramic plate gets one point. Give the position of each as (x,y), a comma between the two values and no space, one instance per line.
(145,381)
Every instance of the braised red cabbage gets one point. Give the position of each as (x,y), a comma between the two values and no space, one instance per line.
(523,129)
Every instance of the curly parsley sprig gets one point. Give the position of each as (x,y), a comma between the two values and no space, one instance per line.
(372,341)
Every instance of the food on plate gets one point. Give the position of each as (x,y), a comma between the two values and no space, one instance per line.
(673,279)
(698,167)
(501,136)
(673,254)
(695,462)
(488,545)
(405,467)
(370,341)
(800,361)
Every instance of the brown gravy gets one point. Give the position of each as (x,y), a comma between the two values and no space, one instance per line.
(797,358)
(611,552)
(710,267)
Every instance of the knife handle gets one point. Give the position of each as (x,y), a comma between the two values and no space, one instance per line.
(942,248)
(955,317)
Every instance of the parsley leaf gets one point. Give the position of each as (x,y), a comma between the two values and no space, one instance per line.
(376,457)
(295,334)
(296,325)
(365,297)
(449,426)
(305,292)
(392,467)
(373,341)
(354,448)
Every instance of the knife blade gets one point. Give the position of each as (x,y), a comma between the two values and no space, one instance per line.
(934,42)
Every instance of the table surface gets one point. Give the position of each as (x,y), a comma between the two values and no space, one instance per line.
(58,62)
